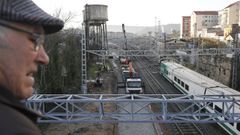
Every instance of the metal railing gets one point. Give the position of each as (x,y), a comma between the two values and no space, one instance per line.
(114,108)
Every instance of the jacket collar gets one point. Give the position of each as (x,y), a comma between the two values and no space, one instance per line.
(7,98)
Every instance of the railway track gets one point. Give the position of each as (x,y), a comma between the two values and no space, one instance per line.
(151,76)
(157,88)
(156,129)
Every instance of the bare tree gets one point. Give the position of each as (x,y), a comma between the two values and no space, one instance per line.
(63,72)
(66,17)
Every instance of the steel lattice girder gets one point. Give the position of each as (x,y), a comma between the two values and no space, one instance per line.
(166,52)
(110,108)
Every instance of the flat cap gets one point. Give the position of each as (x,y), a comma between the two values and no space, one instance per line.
(26,11)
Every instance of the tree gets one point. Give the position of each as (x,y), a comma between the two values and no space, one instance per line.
(64,69)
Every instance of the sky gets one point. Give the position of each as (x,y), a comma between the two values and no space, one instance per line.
(135,12)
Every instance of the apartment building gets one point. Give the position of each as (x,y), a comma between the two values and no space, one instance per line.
(202,19)
(185,29)
(229,15)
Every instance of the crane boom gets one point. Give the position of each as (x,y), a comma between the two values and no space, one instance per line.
(125,38)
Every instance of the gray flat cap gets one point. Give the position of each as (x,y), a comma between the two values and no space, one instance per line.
(26,11)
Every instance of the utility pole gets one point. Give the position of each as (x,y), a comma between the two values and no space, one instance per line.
(155,27)
(165,41)
(235,60)
(159,29)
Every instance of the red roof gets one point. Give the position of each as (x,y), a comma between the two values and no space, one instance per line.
(232,4)
(206,12)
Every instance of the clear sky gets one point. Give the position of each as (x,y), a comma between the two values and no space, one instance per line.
(136,12)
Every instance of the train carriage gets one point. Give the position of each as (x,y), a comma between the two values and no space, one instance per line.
(191,82)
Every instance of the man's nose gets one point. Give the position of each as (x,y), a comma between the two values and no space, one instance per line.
(42,57)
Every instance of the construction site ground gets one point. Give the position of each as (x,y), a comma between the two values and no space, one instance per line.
(108,85)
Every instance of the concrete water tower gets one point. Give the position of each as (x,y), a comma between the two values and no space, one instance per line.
(95,18)
(95,35)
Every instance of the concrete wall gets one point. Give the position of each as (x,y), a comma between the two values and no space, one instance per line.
(217,68)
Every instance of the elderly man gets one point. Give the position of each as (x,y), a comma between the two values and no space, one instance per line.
(22,29)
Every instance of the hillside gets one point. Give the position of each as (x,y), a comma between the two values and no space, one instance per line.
(142,29)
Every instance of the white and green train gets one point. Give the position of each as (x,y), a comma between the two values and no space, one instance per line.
(191,82)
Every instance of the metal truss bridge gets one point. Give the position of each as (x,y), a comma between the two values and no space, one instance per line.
(167,52)
(114,108)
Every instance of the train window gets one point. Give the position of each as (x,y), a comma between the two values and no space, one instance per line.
(182,83)
(166,72)
(218,109)
(238,126)
(178,81)
(211,105)
(229,123)
(175,78)
(186,87)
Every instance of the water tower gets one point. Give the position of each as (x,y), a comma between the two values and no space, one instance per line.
(95,35)
(95,17)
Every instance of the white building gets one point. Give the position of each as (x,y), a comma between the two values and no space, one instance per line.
(222,17)
(202,19)
(185,27)
(216,33)
(230,15)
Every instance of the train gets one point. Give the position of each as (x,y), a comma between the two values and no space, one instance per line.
(191,82)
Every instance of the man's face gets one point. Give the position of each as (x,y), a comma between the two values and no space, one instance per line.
(19,60)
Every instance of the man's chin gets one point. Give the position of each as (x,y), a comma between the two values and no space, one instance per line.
(28,92)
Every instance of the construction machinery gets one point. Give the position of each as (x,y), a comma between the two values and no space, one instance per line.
(131,81)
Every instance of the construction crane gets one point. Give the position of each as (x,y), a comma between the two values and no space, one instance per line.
(125,38)
(123,59)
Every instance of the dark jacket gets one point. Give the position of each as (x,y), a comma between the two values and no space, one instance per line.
(15,118)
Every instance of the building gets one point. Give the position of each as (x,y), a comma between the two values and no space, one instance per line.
(202,19)
(229,15)
(216,33)
(185,29)
(230,33)
(223,15)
